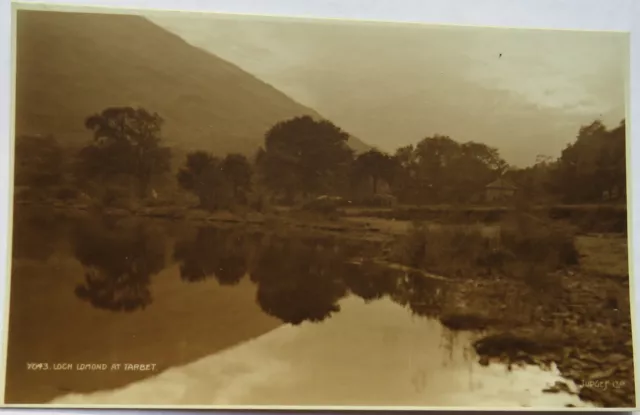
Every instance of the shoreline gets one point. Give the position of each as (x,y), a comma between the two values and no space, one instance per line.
(577,332)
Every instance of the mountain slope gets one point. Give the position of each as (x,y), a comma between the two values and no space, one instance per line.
(71,65)
(398,83)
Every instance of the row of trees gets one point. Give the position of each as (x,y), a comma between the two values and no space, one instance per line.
(303,157)
(590,169)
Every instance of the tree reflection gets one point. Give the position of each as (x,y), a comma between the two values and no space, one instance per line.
(222,254)
(424,296)
(371,281)
(300,279)
(119,261)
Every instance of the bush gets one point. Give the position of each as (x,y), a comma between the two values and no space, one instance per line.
(454,251)
(523,249)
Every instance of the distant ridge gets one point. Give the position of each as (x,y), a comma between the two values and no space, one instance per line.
(71,65)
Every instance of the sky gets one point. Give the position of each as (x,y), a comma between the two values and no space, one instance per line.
(525,92)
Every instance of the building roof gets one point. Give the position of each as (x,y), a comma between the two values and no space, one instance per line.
(501,183)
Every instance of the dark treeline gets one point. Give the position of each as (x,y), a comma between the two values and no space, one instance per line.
(303,158)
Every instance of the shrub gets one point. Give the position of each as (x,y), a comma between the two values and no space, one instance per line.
(523,249)
(450,250)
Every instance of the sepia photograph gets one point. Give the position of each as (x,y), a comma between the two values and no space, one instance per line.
(242,211)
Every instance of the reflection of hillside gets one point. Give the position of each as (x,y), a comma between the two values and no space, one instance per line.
(119,262)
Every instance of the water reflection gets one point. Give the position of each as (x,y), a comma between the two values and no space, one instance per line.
(36,234)
(119,261)
(299,279)
(423,296)
(222,254)
(370,281)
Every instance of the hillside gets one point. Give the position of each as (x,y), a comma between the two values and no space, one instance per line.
(71,65)
(395,84)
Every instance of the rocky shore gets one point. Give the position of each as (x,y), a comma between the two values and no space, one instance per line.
(585,331)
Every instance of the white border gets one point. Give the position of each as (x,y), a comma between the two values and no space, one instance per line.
(619,15)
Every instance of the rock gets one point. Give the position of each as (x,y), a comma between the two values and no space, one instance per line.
(563,387)
(589,394)
(511,344)
(557,387)
(484,360)
(616,358)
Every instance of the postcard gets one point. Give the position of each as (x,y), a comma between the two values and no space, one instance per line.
(231,211)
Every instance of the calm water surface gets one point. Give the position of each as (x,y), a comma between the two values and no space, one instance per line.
(234,316)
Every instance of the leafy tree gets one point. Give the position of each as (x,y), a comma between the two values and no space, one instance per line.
(475,166)
(535,183)
(127,143)
(203,175)
(374,165)
(439,169)
(592,165)
(305,156)
(238,172)
(405,185)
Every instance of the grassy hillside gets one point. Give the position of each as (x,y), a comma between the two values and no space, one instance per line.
(71,65)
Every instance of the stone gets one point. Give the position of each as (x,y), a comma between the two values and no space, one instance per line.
(602,374)
(616,358)
(484,361)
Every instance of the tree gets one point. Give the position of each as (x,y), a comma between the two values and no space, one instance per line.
(203,175)
(126,144)
(374,165)
(305,156)
(475,166)
(238,172)
(535,183)
(439,169)
(435,156)
(405,183)
(593,165)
